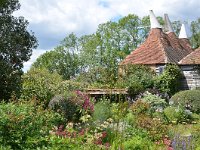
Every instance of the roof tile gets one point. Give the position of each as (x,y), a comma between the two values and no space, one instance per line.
(159,48)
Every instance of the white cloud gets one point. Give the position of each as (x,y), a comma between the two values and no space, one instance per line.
(52,20)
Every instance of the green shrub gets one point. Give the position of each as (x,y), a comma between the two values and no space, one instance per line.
(41,84)
(140,73)
(189,99)
(176,114)
(68,105)
(102,110)
(140,107)
(138,143)
(136,78)
(69,85)
(156,103)
(135,88)
(24,125)
(169,80)
(154,126)
(71,105)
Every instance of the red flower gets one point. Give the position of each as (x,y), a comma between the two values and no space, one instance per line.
(104,134)
(82,132)
(98,141)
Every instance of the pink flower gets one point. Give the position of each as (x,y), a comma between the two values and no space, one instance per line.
(170,148)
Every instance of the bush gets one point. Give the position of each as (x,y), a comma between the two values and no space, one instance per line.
(24,125)
(71,105)
(69,85)
(136,78)
(169,80)
(41,84)
(138,143)
(189,99)
(156,103)
(154,126)
(102,111)
(176,114)
(68,105)
(140,107)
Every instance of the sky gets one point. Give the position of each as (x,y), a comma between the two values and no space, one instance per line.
(52,20)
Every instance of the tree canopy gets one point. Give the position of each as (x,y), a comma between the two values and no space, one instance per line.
(95,57)
(16,45)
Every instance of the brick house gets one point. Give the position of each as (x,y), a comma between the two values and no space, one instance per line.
(162,46)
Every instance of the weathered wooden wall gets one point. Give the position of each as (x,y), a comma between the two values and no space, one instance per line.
(191,77)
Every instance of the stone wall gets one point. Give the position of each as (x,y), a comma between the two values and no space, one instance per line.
(191,78)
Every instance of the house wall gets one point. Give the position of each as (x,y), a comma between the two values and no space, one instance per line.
(191,78)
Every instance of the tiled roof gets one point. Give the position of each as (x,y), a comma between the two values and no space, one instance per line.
(192,58)
(159,48)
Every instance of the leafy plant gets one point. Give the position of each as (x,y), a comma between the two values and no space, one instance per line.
(177,114)
(136,78)
(72,105)
(25,125)
(138,143)
(156,103)
(102,110)
(169,80)
(154,126)
(67,86)
(189,99)
(140,107)
(40,84)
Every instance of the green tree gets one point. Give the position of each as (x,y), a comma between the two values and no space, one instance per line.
(130,30)
(195,27)
(38,83)
(63,59)
(16,45)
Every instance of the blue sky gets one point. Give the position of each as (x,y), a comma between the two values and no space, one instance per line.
(52,20)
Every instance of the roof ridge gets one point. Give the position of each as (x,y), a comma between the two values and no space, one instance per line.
(163,48)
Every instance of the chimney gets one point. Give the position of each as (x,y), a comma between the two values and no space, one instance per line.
(153,20)
(168,25)
(184,32)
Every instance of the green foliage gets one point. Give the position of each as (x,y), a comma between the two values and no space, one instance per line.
(169,80)
(140,107)
(176,115)
(138,143)
(24,125)
(155,102)
(143,119)
(136,78)
(41,84)
(189,99)
(195,28)
(97,77)
(68,105)
(102,111)
(69,86)
(119,110)
(63,59)
(72,105)
(16,45)
(155,127)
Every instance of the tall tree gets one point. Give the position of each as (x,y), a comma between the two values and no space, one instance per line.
(63,59)
(16,45)
(195,27)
